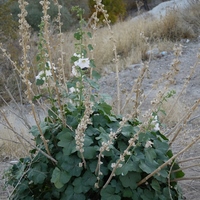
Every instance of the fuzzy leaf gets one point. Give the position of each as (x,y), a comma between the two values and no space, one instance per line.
(67,141)
(130,180)
(71,165)
(70,194)
(59,178)
(84,183)
(109,194)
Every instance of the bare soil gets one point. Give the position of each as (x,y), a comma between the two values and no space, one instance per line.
(158,66)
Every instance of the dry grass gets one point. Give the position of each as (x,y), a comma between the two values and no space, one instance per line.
(130,46)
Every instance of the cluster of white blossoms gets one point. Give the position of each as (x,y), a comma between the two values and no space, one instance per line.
(82,63)
(45,74)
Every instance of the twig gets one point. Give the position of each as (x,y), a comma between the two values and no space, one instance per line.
(189,159)
(185,178)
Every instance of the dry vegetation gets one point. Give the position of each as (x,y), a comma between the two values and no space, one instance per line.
(131,47)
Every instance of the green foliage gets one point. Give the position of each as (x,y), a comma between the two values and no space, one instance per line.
(34,10)
(39,178)
(116,9)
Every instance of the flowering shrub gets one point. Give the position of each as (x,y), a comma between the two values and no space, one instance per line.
(85,151)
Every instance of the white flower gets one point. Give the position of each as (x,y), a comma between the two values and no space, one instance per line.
(156,127)
(43,75)
(77,55)
(48,66)
(148,144)
(75,72)
(72,90)
(155,123)
(83,63)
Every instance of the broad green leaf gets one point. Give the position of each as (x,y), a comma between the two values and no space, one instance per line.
(90,131)
(90,47)
(108,193)
(128,166)
(148,194)
(89,34)
(69,194)
(162,146)
(130,180)
(71,165)
(39,82)
(35,131)
(117,185)
(96,75)
(147,166)
(128,130)
(78,35)
(92,63)
(155,185)
(59,178)
(127,192)
(67,141)
(84,183)
(90,152)
(150,154)
(92,83)
(99,120)
(38,173)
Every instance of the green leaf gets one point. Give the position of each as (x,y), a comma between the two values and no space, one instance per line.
(156,186)
(99,120)
(71,195)
(38,173)
(148,194)
(92,83)
(108,193)
(71,165)
(125,169)
(67,141)
(78,35)
(161,145)
(150,154)
(90,47)
(92,63)
(59,178)
(130,180)
(39,82)
(128,130)
(89,34)
(127,192)
(147,166)
(96,75)
(117,185)
(85,183)
(91,131)
(35,131)
(90,152)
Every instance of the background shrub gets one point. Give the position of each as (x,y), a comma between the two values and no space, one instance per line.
(116,9)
